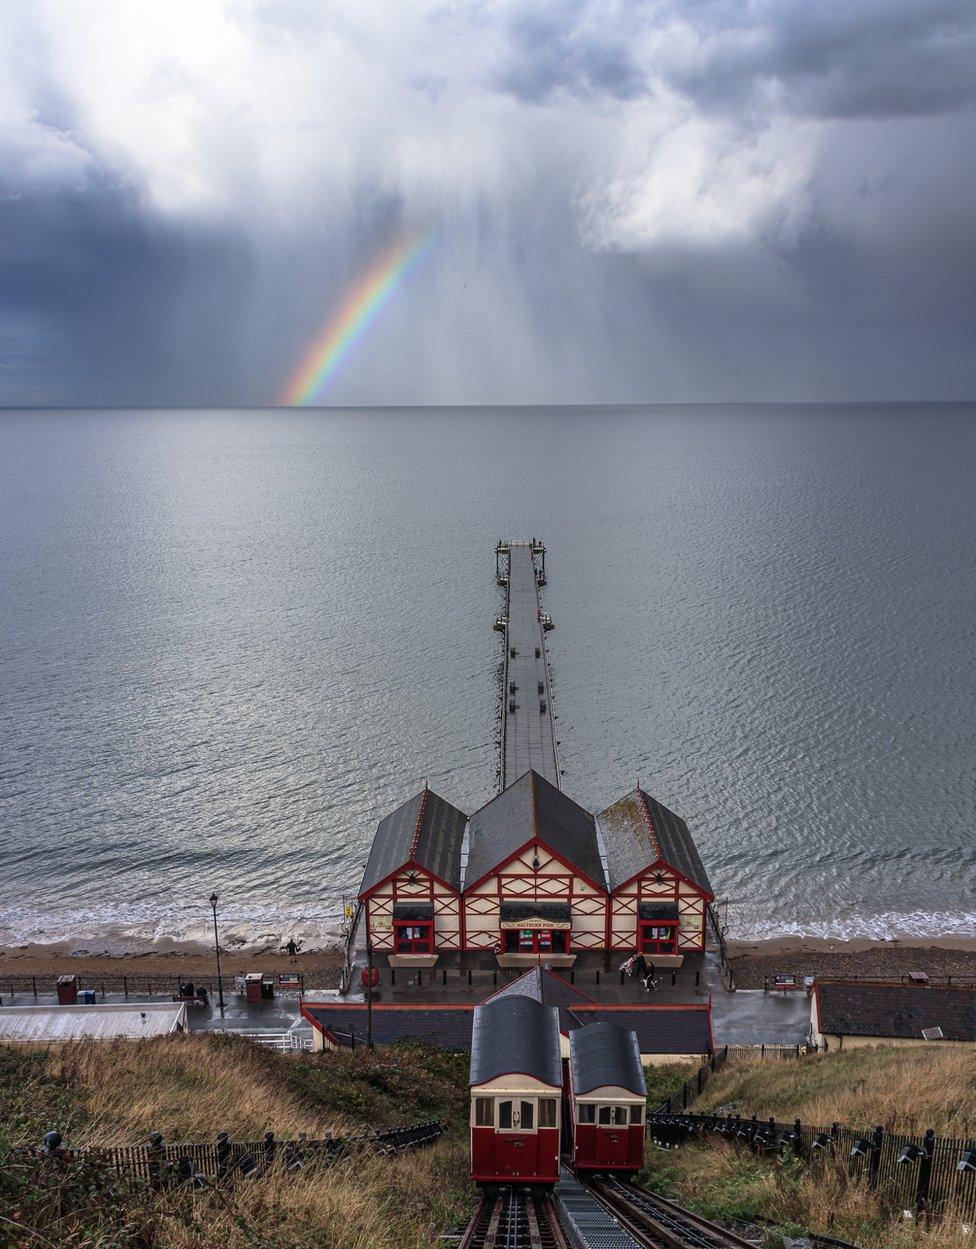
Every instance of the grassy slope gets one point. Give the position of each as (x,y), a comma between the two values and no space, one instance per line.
(904,1089)
(189,1087)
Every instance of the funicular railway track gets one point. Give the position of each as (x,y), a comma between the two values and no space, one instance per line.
(656,1223)
(515,1219)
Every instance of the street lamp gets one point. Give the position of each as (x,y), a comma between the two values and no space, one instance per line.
(220,983)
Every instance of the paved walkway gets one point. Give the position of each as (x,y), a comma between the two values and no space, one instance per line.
(529,737)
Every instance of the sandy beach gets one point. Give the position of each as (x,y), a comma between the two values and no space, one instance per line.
(809,956)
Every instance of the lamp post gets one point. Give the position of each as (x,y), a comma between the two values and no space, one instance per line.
(220,983)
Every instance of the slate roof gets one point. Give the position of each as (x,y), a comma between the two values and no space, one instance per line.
(549,990)
(532,807)
(515,1034)
(890,1009)
(638,830)
(446,1027)
(660,1029)
(603,1053)
(425,829)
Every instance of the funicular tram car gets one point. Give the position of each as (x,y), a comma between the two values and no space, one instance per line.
(516,1090)
(607,1097)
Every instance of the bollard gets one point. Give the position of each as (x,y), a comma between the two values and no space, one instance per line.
(494,976)
(572,975)
(598,975)
(444,976)
(392,975)
(621,979)
(697,979)
(674,978)
(469,978)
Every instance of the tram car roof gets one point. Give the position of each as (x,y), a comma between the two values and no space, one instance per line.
(515,1035)
(603,1054)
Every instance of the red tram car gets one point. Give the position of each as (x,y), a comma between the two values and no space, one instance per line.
(607,1099)
(516,1087)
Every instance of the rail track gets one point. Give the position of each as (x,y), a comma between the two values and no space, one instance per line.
(656,1223)
(515,1219)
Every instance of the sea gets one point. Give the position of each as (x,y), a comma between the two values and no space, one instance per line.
(233,640)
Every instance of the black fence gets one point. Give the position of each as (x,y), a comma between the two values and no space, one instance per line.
(909,1172)
(160,1164)
(12,987)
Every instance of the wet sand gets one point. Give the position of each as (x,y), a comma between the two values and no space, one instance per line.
(808,956)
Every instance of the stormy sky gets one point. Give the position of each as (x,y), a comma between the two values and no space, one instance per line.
(671,200)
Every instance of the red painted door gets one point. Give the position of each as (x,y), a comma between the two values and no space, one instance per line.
(516,1141)
(611,1137)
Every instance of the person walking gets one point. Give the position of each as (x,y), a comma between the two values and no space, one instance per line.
(650,984)
(292,947)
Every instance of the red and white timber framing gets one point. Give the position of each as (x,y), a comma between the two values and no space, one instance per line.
(657,883)
(413,883)
(535,873)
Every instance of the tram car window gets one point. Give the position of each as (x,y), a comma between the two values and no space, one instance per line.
(516,1087)
(607,1098)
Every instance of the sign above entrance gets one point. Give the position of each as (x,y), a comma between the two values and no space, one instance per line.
(536,921)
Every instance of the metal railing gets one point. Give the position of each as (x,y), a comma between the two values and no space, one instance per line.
(161,1164)
(161,985)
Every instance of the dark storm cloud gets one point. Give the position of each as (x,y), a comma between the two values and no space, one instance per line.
(874,58)
(695,200)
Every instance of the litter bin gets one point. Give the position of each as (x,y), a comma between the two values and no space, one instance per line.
(267,989)
(67,990)
(252,986)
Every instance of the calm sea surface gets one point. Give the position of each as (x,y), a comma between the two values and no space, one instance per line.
(232,641)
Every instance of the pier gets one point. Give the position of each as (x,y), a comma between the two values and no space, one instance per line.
(528,736)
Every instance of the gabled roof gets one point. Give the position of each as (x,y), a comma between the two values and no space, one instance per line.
(602,1054)
(532,807)
(679,1029)
(548,990)
(892,1009)
(515,1034)
(425,830)
(638,831)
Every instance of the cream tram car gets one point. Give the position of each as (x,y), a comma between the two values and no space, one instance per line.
(516,1089)
(607,1098)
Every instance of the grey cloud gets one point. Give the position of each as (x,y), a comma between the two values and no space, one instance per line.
(564,47)
(874,58)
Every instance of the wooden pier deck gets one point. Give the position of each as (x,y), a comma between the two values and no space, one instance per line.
(528,738)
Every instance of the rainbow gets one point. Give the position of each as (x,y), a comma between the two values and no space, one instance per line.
(363,302)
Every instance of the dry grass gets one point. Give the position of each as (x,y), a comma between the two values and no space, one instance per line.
(188,1087)
(373,1203)
(905,1090)
(724,1182)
